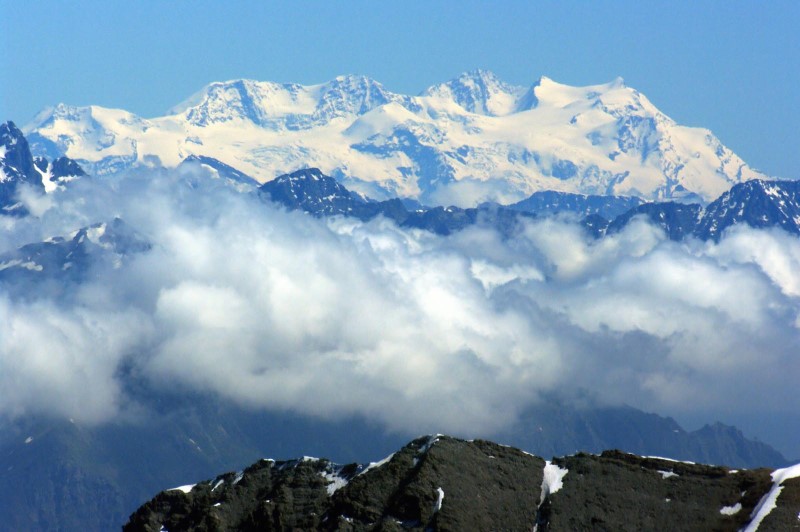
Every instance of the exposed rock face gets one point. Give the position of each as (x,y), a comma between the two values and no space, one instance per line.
(18,168)
(442,483)
(552,202)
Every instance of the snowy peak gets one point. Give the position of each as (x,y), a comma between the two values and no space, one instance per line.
(549,93)
(312,191)
(16,168)
(17,165)
(15,154)
(284,106)
(466,141)
(354,96)
(254,101)
(756,203)
(480,92)
(215,169)
(72,257)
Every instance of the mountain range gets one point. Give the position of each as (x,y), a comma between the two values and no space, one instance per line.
(442,483)
(755,203)
(462,142)
(472,151)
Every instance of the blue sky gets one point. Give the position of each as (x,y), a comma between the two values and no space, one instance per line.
(733,67)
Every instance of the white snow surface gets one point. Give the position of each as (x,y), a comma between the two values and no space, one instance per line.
(770,501)
(439,499)
(334,478)
(731,510)
(552,481)
(375,465)
(186,489)
(670,459)
(47,179)
(471,139)
(667,474)
(28,265)
(432,439)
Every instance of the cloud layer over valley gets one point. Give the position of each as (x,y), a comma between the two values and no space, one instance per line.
(335,317)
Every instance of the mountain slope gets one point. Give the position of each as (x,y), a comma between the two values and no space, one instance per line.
(19,169)
(16,167)
(755,203)
(53,266)
(442,483)
(472,139)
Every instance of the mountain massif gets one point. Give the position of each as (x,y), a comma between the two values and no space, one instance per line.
(442,483)
(469,140)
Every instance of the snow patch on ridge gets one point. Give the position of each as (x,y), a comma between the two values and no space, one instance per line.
(185,489)
(376,465)
(439,500)
(552,481)
(769,501)
(731,510)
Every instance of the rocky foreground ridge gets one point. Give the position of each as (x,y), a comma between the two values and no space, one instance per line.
(443,483)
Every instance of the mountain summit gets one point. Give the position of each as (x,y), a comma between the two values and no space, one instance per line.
(471,139)
(442,483)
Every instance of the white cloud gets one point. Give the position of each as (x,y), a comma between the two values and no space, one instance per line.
(336,317)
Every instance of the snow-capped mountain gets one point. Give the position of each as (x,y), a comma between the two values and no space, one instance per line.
(218,170)
(16,167)
(312,191)
(19,167)
(472,139)
(756,203)
(35,268)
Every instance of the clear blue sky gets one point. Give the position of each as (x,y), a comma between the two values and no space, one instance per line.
(733,67)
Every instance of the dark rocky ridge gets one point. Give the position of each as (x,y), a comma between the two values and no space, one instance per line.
(18,167)
(73,477)
(552,202)
(756,203)
(223,171)
(53,266)
(442,483)
(312,191)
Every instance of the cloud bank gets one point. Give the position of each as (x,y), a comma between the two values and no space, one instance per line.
(278,310)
